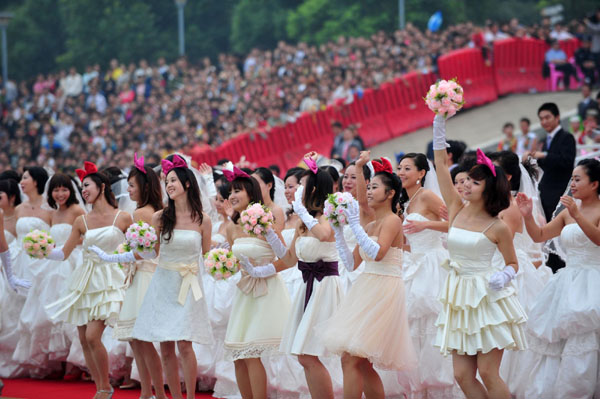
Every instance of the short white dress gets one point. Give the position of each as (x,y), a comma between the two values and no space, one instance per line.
(174,308)
(261,306)
(95,289)
(317,299)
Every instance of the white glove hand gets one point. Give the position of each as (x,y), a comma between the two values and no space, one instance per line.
(12,280)
(439,133)
(275,243)
(370,247)
(501,279)
(257,271)
(56,254)
(300,210)
(342,248)
(113,258)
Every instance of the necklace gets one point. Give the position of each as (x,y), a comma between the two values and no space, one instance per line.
(410,199)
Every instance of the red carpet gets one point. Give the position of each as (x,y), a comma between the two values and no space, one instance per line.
(58,389)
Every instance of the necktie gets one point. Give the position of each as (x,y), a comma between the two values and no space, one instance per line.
(548,141)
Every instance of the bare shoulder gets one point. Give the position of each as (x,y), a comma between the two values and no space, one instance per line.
(500,230)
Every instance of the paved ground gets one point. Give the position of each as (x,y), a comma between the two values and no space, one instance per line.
(481,126)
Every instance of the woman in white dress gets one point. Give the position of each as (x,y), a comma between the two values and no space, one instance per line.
(174,311)
(564,321)
(481,315)
(266,181)
(261,305)
(44,340)
(424,278)
(12,296)
(95,289)
(313,249)
(370,328)
(144,189)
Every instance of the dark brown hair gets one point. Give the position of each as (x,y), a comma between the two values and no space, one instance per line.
(496,194)
(39,176)
(11,188)
(61,180)
(318,186)
(251,187)
(149,187)
(168,218)
(99,179)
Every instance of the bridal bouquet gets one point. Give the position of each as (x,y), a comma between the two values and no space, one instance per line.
(256,219)
(38,244)
(334,208)
(141,237)
(445,97)
(121,249)
(221,263)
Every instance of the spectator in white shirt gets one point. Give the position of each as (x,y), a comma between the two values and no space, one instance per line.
(560,33)
(73,83)
(96,100)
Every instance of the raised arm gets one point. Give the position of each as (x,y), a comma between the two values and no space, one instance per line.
(537,233)
(366,213)
(449,194)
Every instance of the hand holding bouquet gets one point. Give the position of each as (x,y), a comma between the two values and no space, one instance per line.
(256,219)
(141,237)
(334,208)
(38,244)
(221,263)
(445,98)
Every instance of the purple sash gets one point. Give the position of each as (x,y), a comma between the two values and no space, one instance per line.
(316,270)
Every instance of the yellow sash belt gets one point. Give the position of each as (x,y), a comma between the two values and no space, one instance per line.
(189,273)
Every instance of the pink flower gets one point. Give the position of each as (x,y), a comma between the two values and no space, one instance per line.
(222,258)
(229,263)
(244,218)
(210,263)
(36,246)
(253,221)
(258,230)
(218,275)
(27,245)
(227,274)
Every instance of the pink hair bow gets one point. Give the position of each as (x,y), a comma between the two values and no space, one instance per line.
(232,172)
(482,159)
(139,163)
(167,165)
(312,165)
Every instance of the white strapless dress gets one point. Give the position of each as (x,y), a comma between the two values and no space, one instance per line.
(424,279)
(43,339)
(260,309)
(564,325)
(162,317)
(11,303)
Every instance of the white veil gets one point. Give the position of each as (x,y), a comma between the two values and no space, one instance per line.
(280,199)
(119,189)
(529,187)
(431,181)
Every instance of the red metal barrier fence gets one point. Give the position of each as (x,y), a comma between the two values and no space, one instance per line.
(396,108)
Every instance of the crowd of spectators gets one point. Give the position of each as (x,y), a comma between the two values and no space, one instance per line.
(105,114)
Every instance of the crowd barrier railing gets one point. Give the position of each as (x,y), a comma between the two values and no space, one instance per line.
(397,107)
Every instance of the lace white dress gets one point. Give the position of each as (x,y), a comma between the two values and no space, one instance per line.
(174,308)
(11,303)
(564,326)
(424,279)
(43,339)
(260,308)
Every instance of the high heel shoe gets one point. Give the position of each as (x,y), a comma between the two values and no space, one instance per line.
(111,392)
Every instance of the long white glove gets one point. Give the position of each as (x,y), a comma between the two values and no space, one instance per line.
(275,243)
(257,271)
(57,254)
(370,247)
(301,211)
(342,248)
(439,133)
(501,279)
(125,257)
(13,281)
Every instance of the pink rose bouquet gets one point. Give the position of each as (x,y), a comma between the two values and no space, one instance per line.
(221,263)
(445,97)
(256,219)
(121,249)
(334,208)
(38,244)
(141,237)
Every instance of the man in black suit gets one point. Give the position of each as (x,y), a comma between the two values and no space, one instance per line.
(556,160)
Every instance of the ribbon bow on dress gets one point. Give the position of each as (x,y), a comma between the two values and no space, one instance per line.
(316,271)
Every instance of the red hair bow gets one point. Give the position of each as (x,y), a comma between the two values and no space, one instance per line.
(482,159)
(167,165)
(382,166)
(88,169)
(139,163)
(232,172)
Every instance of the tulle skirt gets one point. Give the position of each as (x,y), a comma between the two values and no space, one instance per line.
(372,323)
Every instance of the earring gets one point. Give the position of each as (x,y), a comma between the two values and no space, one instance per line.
(418,181)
